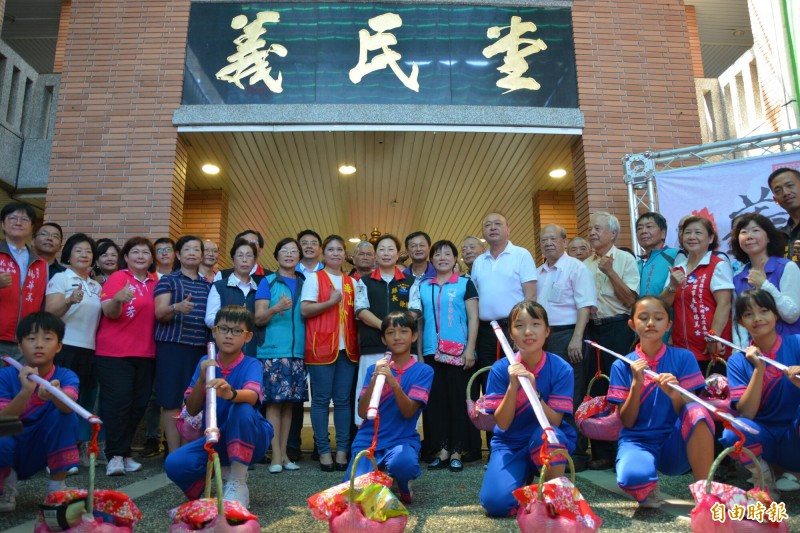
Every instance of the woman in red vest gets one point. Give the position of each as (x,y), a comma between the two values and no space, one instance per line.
(700,290)
(327,303)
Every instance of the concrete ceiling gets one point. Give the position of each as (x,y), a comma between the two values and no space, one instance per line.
(725,33)
(30,27)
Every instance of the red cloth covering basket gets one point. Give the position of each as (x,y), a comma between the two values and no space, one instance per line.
(203,515)
(711,495)
(596,418)
(190,428)
(344,510)
(555,505)
(476,409)
(114,512)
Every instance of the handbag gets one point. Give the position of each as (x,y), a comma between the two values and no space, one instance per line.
(448,352)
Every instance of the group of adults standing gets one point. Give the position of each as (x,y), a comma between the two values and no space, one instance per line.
(140,314)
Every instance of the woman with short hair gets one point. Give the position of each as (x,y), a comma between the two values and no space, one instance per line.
(125,351)
(181,334)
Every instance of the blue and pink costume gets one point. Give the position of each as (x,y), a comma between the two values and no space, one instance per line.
(657,441)
(515,451)
(398,441)
(778,417)
(245,434)
(49,437)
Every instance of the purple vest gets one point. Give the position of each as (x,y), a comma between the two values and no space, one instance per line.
(774,271)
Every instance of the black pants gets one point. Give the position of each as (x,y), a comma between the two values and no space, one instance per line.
(488,348)
(449,426)
(618,337)
(125,387)
(558,343)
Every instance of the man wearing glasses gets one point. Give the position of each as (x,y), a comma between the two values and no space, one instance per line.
(23,275)
(310,251)
(46,244)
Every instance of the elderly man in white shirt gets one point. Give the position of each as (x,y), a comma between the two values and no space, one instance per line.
(566,290)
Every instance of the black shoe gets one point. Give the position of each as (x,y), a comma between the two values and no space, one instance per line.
(600,464)
(314,454)
(327,468)
(455,465)
(341,467)
(152,448)
(581,463)
(438,464)
(294,454)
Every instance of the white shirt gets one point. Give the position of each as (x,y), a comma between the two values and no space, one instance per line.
(362,295)
(564,288)
(624,265)
(23,258)
(81,319)
(721,279)
(499,281)
(310,293)
(214,302)
(305,271)
(218,275)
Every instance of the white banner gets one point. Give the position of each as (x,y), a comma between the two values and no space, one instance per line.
(722,192)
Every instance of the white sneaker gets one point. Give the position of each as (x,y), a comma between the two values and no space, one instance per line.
(116,466)
(73,471)
(291,466)
(653,500)
(131,465)
(237,491)
(8,499)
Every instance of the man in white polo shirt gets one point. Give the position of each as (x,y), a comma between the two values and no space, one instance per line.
(566,290)
(504,276)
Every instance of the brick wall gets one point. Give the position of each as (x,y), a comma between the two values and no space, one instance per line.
(636,92)
(695,51)
(205,214)
(63,32)
(118,168)
(553,207)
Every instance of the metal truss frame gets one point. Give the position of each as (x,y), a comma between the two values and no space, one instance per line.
(641,170)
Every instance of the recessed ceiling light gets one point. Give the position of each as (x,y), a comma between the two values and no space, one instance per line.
(208,168)
(558,173)
(347,169)
(355,240)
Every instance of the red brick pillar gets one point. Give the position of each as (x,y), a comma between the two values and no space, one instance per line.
(205,214)
(636,92)
(118,167)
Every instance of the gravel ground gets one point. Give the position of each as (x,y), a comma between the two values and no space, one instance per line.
(443,501)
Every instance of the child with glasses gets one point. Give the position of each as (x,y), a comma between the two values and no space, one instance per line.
(244,433)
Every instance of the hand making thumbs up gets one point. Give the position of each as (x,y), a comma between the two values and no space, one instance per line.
(125,294)
(185,306)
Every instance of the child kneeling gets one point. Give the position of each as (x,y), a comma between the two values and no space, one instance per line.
(245,434)
(49,437)
(518,438)
(662,430)
(404,394)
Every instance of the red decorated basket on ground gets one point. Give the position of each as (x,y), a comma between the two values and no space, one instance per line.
(211,515)
(114,512)
(596,418)
(203,515)
(364,503)
(556,505)
(718,504)
(476,409)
